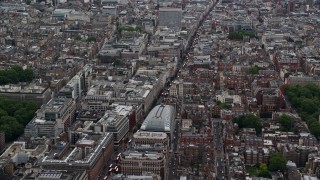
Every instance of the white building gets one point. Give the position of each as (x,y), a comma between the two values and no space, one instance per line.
(52,118)
(116,122)
(224,97)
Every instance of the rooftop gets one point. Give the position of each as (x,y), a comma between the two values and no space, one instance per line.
(74,158)
(151,135)
(160,119)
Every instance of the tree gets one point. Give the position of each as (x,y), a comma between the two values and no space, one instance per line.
(3,113)
(249,121)
(238,35)
(223,105)
(15,74)
(277,162)
(30,106)
(263,171)
(306,99)
(91,39)
(78,38)
(7,131)
(263,167)
(286,122)
(22,116)
(14,116)
(15,128)
(117,63)
(314,128)
(254,69)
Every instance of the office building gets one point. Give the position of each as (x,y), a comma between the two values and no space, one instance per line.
(147,176)
(170,17)
(52,118)
(115,121)
(138,163)
(37,92)
(89,155)
(150,138)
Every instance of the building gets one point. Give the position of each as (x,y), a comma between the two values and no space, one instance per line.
(61,14)
(138,163)
(147,176)
(90,154)
(18,154)
(36,92)
(313,165)
(170,17)
(79,83)
(291,6)
(52,118)
(144,138)
(160,119)
(56,175)
(255,156)
(109,7)
(225,97)
(115,122)
(292,171)
(181,88)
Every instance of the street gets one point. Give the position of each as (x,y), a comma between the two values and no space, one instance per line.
(219,151)
(174,154)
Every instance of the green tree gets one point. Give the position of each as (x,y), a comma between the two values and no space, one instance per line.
(15,74)
(306,99)
(117,63)
(314,128)
(91,39)
(286,122)
(238,35)
(7,129)
(12,75)
(7,120)
(28,75)
(253,70)
(3,113)
(78,38)
(22,116)
(14,116)
(263,167)
(15,127)
(277,162)
(249,121)
(30,106)
(263,171)
(11,107)
(223,105)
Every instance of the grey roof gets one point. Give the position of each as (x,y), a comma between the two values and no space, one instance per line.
(160,119)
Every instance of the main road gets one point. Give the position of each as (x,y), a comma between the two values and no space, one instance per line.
(220,163)
(174,153)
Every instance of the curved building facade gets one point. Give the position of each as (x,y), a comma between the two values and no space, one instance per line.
(160,119)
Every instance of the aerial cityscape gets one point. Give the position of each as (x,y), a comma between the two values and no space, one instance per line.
(159,89)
